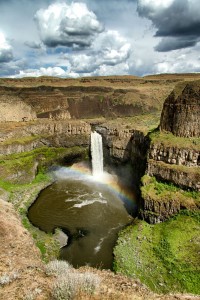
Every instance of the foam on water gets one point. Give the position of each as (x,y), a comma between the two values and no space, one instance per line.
(89,202)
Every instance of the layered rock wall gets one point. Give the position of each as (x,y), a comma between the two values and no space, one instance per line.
(174,155)
(82,101)
(183,177)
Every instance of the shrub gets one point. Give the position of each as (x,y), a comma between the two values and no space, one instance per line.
(32,294)
(65,288)
(8,278)
(68,286)
(89,282)
(58,267)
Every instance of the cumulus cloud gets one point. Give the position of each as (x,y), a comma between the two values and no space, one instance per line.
(181,65)
(71,25)
(107,52)
(50,71)
(176,21)
(6,53)
(105,70)
(111,47)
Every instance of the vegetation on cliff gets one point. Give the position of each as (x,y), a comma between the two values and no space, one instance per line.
(169,140)
(23,167)
(163,256)
(162,200)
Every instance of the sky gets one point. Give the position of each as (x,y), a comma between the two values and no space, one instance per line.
(98,37)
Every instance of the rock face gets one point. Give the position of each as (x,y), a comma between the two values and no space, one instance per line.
(81,101)
(183,177)
(181,111)
(125,148)
(13,109)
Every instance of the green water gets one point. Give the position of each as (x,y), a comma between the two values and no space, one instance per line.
(91,212)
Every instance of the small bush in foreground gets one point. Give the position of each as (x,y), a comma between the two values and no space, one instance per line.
(68,286)
(8,278)
(58,267)
(89,282)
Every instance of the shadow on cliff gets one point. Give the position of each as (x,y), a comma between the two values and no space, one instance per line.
(131,167)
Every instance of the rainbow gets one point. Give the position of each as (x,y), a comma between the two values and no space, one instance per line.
(81,171)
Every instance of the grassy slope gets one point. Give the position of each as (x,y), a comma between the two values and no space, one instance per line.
(169,140)
(164,256)
(159,191)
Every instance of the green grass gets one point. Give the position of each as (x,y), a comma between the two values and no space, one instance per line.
(22,140)
(165,199)
(164,256)
(159,190)
(24,164)
(170,140)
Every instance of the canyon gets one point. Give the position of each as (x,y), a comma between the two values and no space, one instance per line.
(148,124)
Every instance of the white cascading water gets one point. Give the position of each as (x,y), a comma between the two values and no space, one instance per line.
(97,154)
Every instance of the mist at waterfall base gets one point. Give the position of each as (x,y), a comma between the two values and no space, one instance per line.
(91,206)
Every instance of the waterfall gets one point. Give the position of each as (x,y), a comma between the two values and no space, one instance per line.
(97,154)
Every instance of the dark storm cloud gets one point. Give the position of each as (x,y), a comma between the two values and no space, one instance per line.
(5,55)
(171,43)
(178,19)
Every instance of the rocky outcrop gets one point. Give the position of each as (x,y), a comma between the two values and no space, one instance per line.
(161,201)
(178,165)
(173,165)
(181,111)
